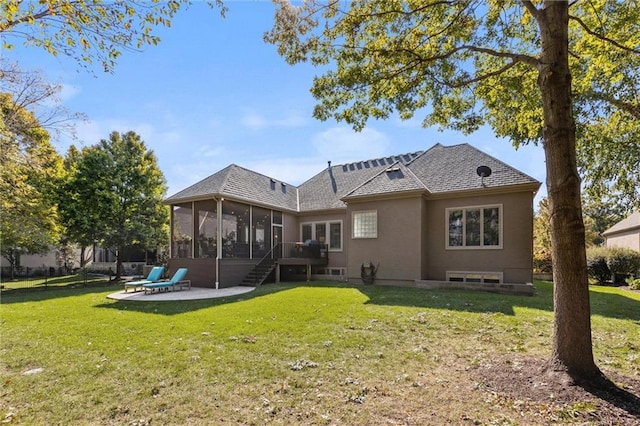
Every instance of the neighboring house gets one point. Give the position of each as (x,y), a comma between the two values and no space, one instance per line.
(625,233)
(427,215)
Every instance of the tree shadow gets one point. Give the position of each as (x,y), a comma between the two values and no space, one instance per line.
(41,292)
(176,307)
(608,391)
(603,303)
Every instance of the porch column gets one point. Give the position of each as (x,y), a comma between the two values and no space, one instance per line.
(308,271)
(218,239)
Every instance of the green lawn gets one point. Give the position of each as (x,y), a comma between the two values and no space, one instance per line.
(76,280)
(318,353)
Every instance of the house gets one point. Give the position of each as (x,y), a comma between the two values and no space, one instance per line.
(447,214)
(625,233)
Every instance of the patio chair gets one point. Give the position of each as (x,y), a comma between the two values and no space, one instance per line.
(154,275)
(176,282)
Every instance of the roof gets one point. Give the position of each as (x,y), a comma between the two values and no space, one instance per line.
(629,223)
(454,168)
(241,184)
(326,189)
(440,169)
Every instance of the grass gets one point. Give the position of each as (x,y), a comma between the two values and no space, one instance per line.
(75,280)
(317,353)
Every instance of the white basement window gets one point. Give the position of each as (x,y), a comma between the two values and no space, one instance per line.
(475,277)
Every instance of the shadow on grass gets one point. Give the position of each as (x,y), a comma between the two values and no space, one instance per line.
(609,391)
(58,290)
(611,305)
(603,303)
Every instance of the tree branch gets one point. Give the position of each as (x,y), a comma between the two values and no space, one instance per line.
(531,8)
(477,78)
(633,109)
(517,57)
(602,37)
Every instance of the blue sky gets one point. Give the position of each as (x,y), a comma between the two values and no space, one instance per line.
(213,93)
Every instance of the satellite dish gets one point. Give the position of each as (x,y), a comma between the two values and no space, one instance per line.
(483,171)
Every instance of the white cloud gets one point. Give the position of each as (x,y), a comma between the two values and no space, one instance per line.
(68,91)
(257,121)
(343,145)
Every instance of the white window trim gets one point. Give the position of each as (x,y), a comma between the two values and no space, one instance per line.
(353,225)
(327,224)
(481,246)
(465,274)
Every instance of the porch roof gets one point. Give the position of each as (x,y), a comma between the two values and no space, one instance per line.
(239,183)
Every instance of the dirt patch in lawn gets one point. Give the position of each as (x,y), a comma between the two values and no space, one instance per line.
(524,384)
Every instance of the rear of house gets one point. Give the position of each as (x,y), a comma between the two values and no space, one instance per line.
(445,214)
(625,233)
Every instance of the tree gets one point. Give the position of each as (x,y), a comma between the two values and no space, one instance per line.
(80,204)
(31,92)
(114,194)
(542,238)
(88,30)
(29,171)
(463,64)
(603,214)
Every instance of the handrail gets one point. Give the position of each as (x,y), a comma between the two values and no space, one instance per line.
(304,251)
(268,258)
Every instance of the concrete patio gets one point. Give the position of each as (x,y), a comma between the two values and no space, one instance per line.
(195,293)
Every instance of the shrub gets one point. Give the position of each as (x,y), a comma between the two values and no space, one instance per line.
(633,283)
(623,262)
(615,263)
(597,267)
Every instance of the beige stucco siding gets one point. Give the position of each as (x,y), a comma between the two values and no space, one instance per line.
(290,228)
(629,239)
(398,245)
(513,260)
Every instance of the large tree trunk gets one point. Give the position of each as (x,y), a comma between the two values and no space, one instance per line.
(572,346)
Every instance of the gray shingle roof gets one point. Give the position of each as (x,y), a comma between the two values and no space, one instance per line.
(239,183)
(440,169)
(629,223)
(453,168)
(326,189)
(394,179)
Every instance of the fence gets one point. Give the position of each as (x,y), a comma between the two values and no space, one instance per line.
(45,278)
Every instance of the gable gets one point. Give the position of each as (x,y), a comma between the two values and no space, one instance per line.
(327,188)
(629,223)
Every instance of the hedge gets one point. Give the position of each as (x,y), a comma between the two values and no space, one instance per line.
(612,264)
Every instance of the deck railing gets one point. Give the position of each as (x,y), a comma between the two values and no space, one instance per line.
(304,251)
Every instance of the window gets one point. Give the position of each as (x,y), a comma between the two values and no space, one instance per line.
(335,236)
(365,224)
(182,232)
(318,231)
(474,227)
(260,231)
(206,245)
(475,277)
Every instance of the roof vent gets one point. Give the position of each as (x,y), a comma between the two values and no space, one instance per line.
(483,172)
